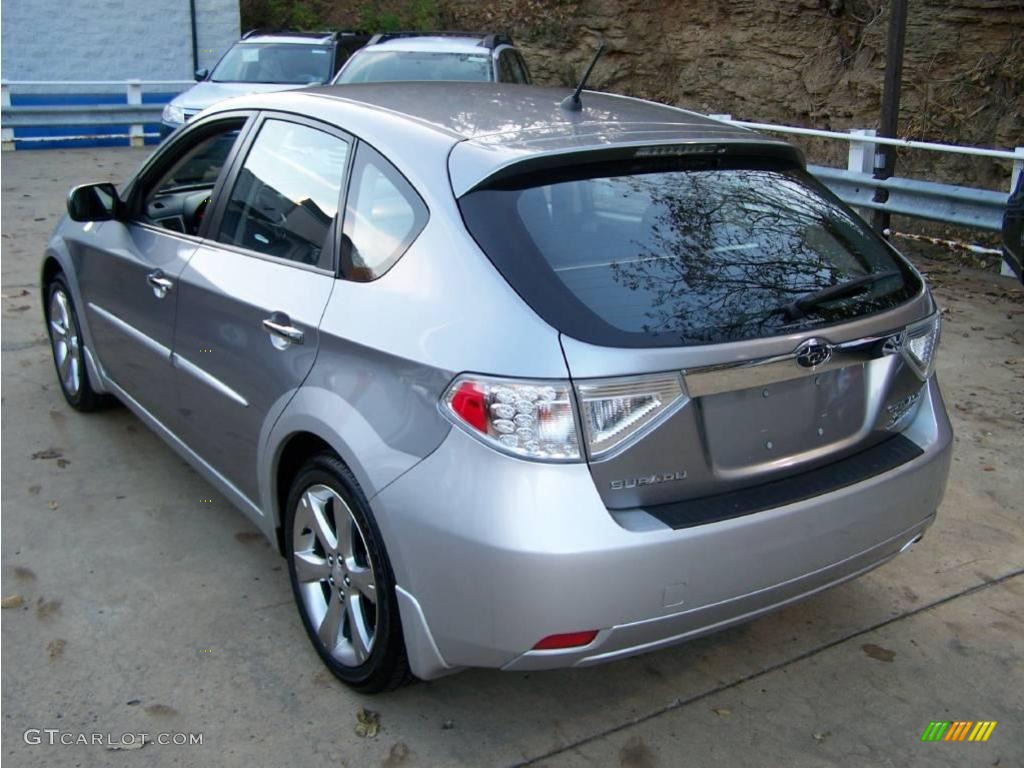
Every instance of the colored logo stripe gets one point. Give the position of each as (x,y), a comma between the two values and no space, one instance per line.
(958,730)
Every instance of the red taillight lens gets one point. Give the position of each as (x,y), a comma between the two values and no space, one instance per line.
(568,640)
(470,403)
(529,418)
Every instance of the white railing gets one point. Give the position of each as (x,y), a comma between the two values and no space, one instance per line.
(132,112)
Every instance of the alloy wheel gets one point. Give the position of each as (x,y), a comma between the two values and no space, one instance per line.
(335,575)
(66,344)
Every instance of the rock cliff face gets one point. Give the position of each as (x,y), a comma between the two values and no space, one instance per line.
(817,63)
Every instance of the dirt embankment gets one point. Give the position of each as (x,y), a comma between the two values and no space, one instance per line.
(798,62)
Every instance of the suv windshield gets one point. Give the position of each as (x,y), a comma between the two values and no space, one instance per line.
(386,66)
(285,63)
(682,254)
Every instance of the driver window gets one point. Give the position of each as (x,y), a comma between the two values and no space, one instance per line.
(179,197)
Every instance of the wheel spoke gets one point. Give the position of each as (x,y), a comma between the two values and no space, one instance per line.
(357,629)
(309,567)
(345,526)
(57,328)
(318,510)
(328,629)
(73,375)
(362,580)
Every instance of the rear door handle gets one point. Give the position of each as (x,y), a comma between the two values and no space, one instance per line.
(282,332)
(159,282)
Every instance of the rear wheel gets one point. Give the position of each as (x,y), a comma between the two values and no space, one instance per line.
(342,578)
(68,351)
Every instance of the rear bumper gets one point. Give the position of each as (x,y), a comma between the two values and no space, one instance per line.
(496,553)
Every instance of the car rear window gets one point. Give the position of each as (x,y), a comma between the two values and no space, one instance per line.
(684,252)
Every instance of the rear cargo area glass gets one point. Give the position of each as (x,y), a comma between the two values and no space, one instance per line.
(657,254)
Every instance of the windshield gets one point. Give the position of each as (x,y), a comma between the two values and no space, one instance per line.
(386,66)
(653,257)
(285,63)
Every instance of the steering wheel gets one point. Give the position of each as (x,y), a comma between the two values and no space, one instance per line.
(193,209)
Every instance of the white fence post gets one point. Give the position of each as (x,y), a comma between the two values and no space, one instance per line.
(1018,167)
(7,138)
(136,135)
(861,158)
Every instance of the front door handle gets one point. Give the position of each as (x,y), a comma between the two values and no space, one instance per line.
(159,282)
(282,332)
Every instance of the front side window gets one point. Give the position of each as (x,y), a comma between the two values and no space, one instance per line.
(642,255)
(286,195)
(384,216)
(386,66)
(285,63)
(177,197)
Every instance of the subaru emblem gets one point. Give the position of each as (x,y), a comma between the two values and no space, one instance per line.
(813,352)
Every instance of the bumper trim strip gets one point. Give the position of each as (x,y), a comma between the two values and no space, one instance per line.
(880,458)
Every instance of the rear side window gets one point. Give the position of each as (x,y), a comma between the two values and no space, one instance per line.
(384,216)
(684,254)
(287,193)
(386,66)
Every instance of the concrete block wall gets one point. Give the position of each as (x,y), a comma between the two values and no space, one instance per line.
(112,39)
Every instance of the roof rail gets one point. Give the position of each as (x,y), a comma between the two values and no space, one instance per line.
(490,41)
(333,34)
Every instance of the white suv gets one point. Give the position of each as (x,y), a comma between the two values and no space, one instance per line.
(436,56)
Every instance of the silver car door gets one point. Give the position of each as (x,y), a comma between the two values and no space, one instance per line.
(251,298)
(128,269)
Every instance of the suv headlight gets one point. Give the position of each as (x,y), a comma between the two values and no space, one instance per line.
(173,114)
(921,344)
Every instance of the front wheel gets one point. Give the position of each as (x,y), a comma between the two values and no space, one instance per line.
(68,351)
(341,578)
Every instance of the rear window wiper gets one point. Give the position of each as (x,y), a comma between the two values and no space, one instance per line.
(801,304)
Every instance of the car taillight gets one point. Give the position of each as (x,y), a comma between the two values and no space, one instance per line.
(921,343)
(529,419)
(615,410)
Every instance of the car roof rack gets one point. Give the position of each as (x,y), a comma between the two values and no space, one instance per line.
(332,34)
(490,41)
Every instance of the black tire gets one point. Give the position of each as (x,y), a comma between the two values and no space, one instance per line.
(83,398)
(387,666)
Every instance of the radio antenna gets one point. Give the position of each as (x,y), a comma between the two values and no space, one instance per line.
(572,103)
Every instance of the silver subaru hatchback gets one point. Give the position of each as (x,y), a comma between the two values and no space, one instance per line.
(510,385)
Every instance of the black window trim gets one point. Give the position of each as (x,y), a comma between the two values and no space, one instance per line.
(213,219)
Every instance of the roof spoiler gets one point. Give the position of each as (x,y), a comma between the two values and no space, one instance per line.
(754,147)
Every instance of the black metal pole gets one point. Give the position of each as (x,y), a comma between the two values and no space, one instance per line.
(195,37)
(885,156)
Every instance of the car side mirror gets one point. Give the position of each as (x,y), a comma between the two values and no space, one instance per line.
(94,202)
(202,73)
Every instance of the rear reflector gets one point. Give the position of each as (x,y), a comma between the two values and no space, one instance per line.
(568,640)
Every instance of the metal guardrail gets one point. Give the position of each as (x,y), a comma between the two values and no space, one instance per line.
(948,203)
(131,112)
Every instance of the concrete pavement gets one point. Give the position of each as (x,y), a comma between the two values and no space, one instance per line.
(147,608)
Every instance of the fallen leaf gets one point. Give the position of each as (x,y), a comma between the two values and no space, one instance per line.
(12,601)
(822,736)
(23,292)
(62,463)
(35,489)
(988,468)
(447,725)
(367,723)
(49,453)
(23,573)
(721,711)
(55,648)
(129,745)
(53,504)
(878,653)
